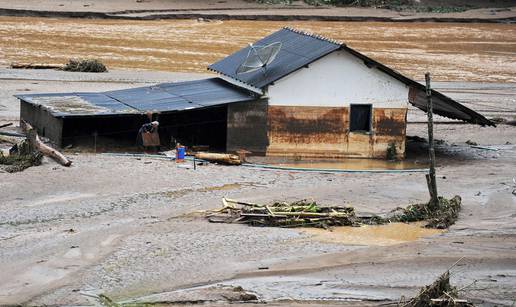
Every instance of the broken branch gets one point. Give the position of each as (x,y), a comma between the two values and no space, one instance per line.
(46,150)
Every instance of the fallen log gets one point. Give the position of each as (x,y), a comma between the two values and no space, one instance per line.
(219,158)
(36,66)
(46,150)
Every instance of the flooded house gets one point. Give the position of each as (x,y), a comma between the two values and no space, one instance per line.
(315,98)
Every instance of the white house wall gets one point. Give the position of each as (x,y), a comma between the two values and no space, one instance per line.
(338,80)
(309,110)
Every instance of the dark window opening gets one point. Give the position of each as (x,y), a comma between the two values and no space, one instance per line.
(360,117)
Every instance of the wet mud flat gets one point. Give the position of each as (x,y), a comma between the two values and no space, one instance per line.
(70,235)
(125,230)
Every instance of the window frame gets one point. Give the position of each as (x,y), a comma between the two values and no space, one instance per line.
(370,131)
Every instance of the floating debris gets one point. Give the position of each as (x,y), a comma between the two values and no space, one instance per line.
(85,65)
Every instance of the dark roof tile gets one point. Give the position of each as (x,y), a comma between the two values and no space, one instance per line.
(298,49)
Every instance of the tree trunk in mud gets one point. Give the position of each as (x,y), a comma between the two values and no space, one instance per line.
(219,158)
(37,145)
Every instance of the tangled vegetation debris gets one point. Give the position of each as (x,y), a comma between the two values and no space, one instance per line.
(442,216)
(29,152)
(309,214)
(439,293)
(21,158)
(85,65)
(297,214)
(17,163)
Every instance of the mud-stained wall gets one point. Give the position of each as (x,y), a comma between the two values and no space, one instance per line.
(324,132)
(247,126)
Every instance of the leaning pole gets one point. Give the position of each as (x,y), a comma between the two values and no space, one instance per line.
(430,178)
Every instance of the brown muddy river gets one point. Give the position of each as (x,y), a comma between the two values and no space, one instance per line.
(451,51)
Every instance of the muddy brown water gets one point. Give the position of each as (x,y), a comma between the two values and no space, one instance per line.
(451,51)
(377,235)
(354,164)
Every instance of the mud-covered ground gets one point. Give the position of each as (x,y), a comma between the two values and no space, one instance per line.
(123,226)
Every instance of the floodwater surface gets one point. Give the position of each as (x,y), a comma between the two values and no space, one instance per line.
(355,164)
(451,51)
(378,235)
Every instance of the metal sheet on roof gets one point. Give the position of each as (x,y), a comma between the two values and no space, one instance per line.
(207,92)
(447,107)
(298,49)
(166,97)
(77,104)
(151,99)
(100,99)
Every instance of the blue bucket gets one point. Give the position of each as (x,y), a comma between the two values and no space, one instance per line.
(180,153)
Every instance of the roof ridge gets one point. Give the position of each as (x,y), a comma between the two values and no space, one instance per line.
(314,35)
(229,76)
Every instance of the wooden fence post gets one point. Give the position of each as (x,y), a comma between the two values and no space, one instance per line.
(432,184)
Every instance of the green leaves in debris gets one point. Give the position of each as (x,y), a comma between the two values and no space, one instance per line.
(308,214)
(443,216)
(297,206)
(17,163)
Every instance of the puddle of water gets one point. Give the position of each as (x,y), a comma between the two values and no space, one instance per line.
(355,164)
(461,52)
(378,235)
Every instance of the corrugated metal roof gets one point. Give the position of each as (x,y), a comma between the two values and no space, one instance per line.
(77,104)
(298,49)
(166,97)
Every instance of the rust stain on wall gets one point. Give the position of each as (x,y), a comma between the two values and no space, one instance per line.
(389,121)
(307,124)
(324,132)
